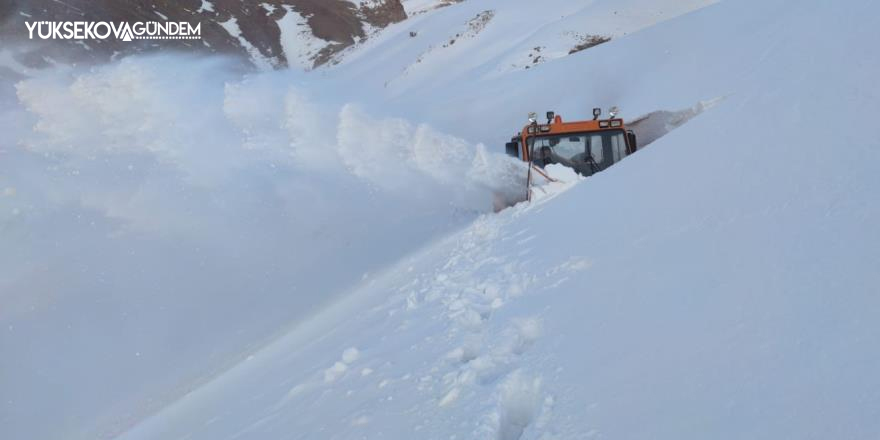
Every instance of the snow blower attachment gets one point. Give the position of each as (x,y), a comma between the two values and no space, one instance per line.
(587,147)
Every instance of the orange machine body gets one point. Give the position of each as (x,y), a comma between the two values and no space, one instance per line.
(558,127)
(587,147)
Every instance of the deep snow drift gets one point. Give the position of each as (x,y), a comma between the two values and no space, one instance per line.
(721,283)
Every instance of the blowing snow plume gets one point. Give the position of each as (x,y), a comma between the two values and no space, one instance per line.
(181,208)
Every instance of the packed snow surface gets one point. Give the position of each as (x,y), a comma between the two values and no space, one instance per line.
(191,251)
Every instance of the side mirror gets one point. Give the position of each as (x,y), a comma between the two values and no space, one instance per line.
(512,149)
(633,145)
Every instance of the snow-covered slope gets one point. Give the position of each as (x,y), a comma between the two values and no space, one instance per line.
(719,284)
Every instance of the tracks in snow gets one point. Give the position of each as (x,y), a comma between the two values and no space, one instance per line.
(434,347)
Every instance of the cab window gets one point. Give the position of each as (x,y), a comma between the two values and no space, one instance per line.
(586,153)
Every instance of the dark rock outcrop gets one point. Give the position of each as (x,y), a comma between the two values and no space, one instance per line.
(340,23)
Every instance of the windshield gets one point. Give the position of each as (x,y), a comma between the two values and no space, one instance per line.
(586,153)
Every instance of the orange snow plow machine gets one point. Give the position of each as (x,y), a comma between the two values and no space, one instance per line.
(587,147)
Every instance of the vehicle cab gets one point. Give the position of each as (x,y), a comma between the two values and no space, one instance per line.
(585,146)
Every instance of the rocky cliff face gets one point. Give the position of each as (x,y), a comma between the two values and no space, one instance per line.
(269,33)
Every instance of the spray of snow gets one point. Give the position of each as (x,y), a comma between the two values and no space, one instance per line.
(226,188)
